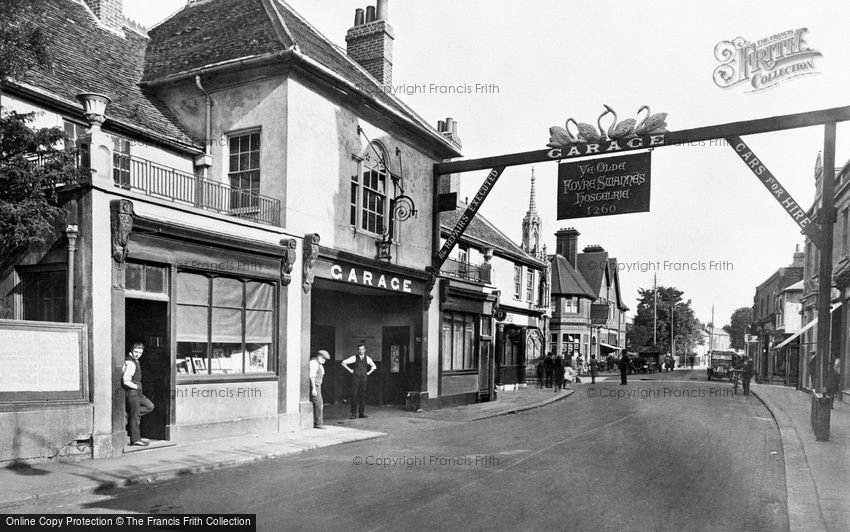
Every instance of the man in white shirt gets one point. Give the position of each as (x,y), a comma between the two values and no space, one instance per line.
(137,404)
(360,366)
(317,374)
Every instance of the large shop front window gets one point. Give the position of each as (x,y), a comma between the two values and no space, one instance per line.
(368,202)
(224,325)
(458,344)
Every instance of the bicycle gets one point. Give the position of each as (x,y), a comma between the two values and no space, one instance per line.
(736,378)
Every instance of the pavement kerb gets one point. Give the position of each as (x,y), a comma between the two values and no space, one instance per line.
(803,508)
(145,478)
(489,415)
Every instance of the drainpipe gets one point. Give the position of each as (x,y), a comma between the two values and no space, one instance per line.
(72,231)
(204,162)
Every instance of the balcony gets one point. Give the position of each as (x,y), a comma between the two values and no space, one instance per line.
(463,270)
(163,182)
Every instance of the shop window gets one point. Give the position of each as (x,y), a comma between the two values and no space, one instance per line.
(571,343)
(244,171)
(224,325)
(458,342)
(44,295)
(369,198)
(145,278)
(121,162)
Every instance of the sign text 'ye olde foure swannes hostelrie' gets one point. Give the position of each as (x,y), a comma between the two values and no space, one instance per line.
(604,187)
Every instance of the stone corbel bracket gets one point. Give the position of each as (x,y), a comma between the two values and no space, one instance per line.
(429,287)
(288,261)
(121,220)
(311,253)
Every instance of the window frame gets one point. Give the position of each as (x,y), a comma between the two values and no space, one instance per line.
(27,275)
(517,282)
(271,356)
(359,188)
(468,359)
(254,174)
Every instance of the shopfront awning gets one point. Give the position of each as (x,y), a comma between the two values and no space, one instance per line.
(611,346)
(805,328)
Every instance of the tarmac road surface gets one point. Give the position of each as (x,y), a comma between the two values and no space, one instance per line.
(667,452)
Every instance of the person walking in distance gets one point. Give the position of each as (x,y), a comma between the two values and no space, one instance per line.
(548,369)
(317,374)
(540,372)
(569,375)
(137,404)
(360,366)
(624,368)
(747,374)
(594,369)
(559,373)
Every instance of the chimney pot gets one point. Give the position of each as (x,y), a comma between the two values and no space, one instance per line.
(383,11)
(441,125)
(449,125)
(370,14)
(454,128)
(359,16)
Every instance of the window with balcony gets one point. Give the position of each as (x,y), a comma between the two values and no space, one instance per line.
(369,201)
(244,171)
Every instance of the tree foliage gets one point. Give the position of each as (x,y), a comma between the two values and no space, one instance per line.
(32,160)
(686,327)
(739,325)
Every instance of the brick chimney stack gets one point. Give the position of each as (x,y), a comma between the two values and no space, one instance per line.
(110,13)
(370,42)
(799,258)
(566,244)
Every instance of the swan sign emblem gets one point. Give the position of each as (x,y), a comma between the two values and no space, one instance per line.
(604,187)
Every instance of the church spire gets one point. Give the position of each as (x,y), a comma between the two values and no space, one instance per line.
(531,225)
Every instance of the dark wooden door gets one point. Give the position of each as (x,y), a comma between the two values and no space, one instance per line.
(394,360)
(486,383)
(324,337)
(147,322)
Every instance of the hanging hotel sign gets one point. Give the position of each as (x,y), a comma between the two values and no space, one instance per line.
(368,277)
(599,313)
(604,187)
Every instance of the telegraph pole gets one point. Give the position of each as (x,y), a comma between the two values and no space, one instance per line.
(654,309)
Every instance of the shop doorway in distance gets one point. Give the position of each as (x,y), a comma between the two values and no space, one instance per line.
(395,361)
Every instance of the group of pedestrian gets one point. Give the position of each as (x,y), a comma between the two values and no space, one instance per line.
(558,372)
(360,366)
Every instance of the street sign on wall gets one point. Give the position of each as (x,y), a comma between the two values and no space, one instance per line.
(604,187)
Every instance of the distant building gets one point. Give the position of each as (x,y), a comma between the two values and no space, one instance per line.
(765,311)
(588,314)
(712,340)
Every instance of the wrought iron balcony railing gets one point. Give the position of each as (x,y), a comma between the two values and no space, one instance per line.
(156,180)
(466,271)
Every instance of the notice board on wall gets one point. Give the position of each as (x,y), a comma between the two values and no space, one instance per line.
(42,361)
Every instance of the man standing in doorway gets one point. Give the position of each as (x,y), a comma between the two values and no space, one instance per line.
(317,374)
(137,404)
(360,366)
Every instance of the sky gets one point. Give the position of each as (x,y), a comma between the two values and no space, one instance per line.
(539,63)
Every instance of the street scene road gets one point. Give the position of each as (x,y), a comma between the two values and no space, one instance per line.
(668,451)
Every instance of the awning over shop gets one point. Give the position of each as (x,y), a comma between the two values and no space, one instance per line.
(805,328)
(611,346)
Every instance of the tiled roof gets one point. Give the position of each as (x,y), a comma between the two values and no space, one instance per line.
(566,281)
(207,33)
(87,58)
(217,31)
(483,230)
(593,267)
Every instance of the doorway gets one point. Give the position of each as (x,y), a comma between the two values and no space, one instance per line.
(395,359)
(147,322)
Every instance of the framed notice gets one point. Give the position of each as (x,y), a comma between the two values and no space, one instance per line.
(395,365)
(43,361)
(604,187)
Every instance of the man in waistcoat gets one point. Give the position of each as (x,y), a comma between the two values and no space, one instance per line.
(360,366)
(137,404)
(317,374)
